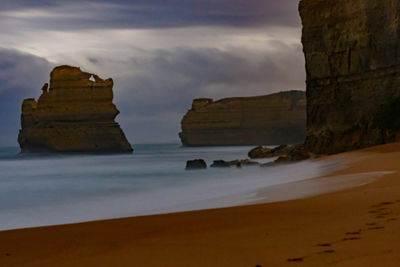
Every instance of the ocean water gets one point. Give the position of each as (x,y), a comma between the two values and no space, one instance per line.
(37,190)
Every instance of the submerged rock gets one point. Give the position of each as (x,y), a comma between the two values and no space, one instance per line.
(259,152)
(247,162)
(196,164)
(272,119)
(264,152)
(73,114)
(223,164)
(287,154)
(237,163)
(295,153)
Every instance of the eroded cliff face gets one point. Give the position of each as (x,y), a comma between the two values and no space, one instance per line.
(75,114)
(352,53)
(263,120)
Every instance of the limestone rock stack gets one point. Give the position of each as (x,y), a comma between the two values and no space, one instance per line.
(74,114)
(270,120)
(352,53)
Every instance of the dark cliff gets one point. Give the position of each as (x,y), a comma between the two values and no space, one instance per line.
(75,114)
(262,120)
(352,53)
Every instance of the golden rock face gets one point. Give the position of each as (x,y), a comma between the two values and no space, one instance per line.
(352,57)
(263,120)
(75,114)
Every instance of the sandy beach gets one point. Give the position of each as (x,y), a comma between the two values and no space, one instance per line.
(353,227)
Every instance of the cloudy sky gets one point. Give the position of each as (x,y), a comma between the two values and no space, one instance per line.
(160,53)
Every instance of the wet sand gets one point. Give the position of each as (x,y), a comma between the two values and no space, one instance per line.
(352,227)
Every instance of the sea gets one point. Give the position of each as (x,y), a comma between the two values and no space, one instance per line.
(40,189)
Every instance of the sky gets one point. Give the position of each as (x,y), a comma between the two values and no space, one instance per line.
(161,55)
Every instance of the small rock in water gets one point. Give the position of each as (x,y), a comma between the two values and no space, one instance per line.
(222,164)
(264,152)
(237,163)
(196,164)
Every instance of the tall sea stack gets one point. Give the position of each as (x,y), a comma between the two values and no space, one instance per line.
(352,53)
(74,114)
(261,120)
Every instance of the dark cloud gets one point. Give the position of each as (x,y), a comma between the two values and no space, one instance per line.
(79,15)
(154,88)
(21,76)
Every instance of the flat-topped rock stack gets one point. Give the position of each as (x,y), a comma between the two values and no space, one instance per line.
(74,114)
(262,120)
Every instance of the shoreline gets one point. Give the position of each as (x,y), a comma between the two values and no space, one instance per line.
(273,184)
(140,196)
(354,226)
(316,186)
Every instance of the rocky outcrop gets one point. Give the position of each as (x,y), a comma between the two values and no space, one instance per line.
(224,164)
(283,153)
(270,120)
(74,114)
(352,53)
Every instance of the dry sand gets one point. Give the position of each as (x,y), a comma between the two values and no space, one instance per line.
(354,227)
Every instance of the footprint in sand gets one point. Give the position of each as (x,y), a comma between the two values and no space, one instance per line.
(376,228)
(354,233)
(295,259)
(324,245)
(381,212)
(378,210)
(386,203)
